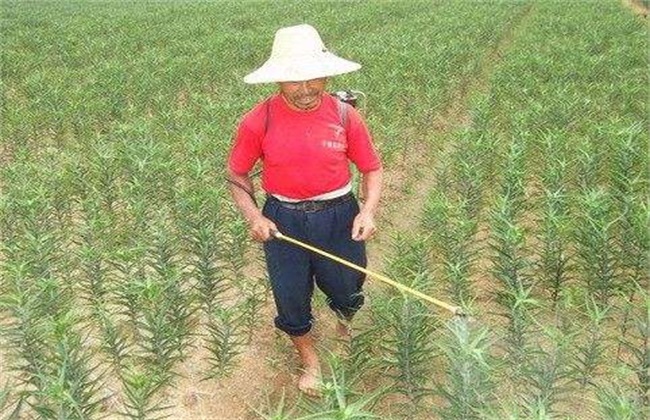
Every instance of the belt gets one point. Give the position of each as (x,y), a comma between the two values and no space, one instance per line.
(310,206)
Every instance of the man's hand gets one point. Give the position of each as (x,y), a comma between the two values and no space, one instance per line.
(241,188)
(262,228)
(363,226)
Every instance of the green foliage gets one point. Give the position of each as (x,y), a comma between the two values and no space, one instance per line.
(120,251)
(279,411)
(616,402)
(339,400)
(591,352)
(226,340)
(637,346)
(546,371)
(405,325)
(597,247)
(407,345)
(510,263)
(468,387)
(4,397)
(71,389)
(140,389)
(452,231)
(554,231)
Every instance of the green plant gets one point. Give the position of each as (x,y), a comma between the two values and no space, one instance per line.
(225,339)
(69,385)
(339,401)
(510,263)
(408,346)
(140,389)
(452,232)
(406,342)
(546,372)
(468,386)
(597,248)
(592,351)
(554,232)
(616,402)
(278,412)
(637,346)
(4,397)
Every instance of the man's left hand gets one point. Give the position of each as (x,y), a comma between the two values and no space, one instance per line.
(363,226)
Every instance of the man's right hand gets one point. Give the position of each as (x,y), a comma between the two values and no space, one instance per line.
(262,229)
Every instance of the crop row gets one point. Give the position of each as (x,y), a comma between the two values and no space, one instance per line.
(122,255)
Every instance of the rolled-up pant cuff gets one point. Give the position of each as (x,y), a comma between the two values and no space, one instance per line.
(292,330)
(347,313)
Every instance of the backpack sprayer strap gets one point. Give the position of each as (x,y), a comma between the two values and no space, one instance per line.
(344,98)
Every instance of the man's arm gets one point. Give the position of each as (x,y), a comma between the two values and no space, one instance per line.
(261,228)
(364,223)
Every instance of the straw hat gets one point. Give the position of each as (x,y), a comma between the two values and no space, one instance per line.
(299,54)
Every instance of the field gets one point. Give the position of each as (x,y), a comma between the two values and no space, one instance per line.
(514,136)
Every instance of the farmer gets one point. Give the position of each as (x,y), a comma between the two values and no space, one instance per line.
(306,139)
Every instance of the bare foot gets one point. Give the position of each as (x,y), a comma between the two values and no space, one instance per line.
(309,382)
(344,330)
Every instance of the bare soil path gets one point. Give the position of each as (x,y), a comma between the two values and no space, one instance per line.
(419,165)
(267,368)
(637,7)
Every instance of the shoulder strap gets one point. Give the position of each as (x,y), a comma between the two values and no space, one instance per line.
(343,113)
(267,115)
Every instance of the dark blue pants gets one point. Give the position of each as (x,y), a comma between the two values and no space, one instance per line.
(294,270)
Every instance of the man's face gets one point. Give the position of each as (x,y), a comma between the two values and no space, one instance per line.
(303,95)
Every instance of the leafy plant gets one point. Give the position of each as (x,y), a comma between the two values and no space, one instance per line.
(592,351)
(338,400)
(225,339)
(637,346)
(140,389)
(615,401)
(597,247)
(546,372)
(468,386)
(407,325)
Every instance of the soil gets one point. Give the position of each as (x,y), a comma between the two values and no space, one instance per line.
(268,368)
(236,396)
(637,7)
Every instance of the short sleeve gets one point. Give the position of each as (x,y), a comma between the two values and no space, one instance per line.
(247,144)
(361,150)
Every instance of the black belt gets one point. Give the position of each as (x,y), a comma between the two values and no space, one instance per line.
(310,206)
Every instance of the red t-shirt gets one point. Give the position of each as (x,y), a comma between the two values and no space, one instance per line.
(303,153)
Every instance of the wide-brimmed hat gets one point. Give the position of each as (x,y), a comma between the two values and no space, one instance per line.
(299,54)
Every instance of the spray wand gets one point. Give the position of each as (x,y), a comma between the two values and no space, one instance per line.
(456,310)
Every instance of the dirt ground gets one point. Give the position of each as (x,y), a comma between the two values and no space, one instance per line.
(637,7)
(236,396)
(268,368)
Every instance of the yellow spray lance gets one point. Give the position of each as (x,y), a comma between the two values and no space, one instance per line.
(453,309)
